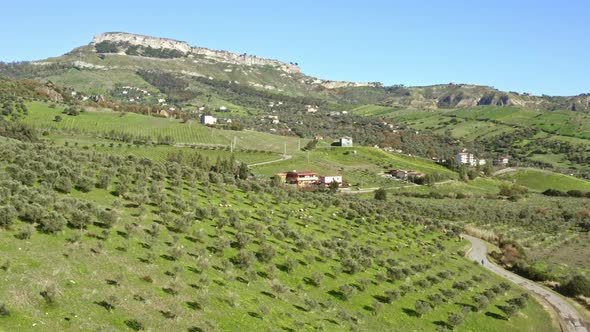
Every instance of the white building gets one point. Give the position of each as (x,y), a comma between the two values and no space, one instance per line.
(328,179)
(501,161)
(208,119)
(346,141)
(467,158)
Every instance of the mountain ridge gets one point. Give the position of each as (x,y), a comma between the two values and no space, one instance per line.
(114,58)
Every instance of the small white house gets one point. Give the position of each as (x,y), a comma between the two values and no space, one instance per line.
(328,179)
(469,159)
(346,141)
(208,119)
(501,161)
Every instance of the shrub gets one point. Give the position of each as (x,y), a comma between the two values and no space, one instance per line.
(53,222)
(520,301)
(346,291)
(509,310)
(63,184)
(49,295)
(134,324)
(575,193)
(455,320)
(435,298)
(577,285)
(422,307)
(316,278)
(481,302)
(381,194)
(554,192)
(8,215)
(461,285)
(266,253)
(392,295)
(4,312)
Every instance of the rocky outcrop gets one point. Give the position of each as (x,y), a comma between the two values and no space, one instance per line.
(186,49)
(328,84)
(146,41)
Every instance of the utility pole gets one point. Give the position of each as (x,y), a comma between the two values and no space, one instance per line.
(308,156)
(299,144)
(285,149)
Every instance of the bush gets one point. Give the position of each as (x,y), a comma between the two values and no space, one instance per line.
(422,307)
(577,285)
(7,216)
(455,320)
(4,312)
(392,295)
(510,310)
(481,302)
(53,222)
(49,295)
(554,192)
(346,291)
(63,184)
(575,193)
(134,324)
(381,194)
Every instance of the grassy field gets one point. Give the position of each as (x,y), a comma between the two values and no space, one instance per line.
(539,180)
(150,270)
(102,122)
(158,152)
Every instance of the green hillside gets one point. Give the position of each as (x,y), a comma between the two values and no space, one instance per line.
(539,180)
(361,167)
(127,243)
(101,123)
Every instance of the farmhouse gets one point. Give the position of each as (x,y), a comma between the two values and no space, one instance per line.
(302,178)
(469,159)
(326,180)
(346,141)
(208,119)
(501,161)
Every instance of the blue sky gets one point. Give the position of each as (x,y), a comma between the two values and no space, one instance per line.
(541,47)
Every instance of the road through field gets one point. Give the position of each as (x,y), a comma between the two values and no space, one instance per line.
(571,320)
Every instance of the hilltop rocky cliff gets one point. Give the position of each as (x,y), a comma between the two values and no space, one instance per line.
(191,51)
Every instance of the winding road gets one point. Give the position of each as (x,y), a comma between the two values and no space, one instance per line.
(284,157)
(570,319)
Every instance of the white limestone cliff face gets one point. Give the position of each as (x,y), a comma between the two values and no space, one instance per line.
(343,84)
(185,48)
(219,56)
(153,42)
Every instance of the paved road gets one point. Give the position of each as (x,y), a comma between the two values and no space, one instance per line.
(571,320)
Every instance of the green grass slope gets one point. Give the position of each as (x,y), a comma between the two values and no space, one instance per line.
(98,123)
(185,249)
(539,180)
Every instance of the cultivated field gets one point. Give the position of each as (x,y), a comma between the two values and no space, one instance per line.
(168,248)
